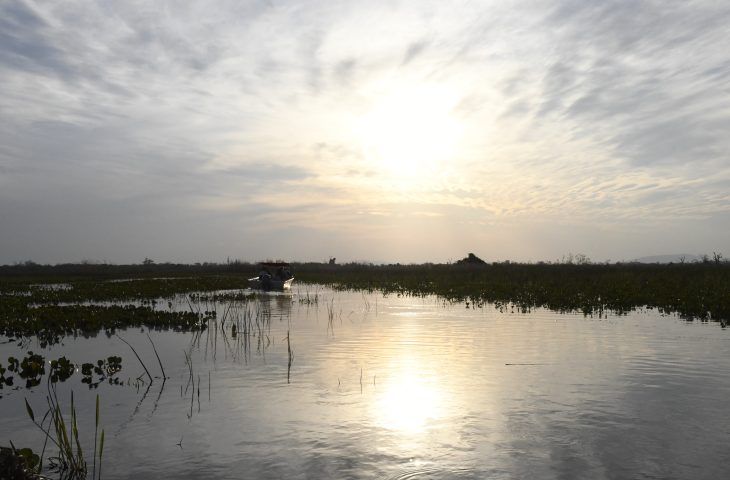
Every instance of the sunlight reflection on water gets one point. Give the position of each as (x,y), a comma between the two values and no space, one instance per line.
(408,399)
(410,389)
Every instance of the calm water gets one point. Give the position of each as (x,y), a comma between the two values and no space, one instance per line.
(401,387)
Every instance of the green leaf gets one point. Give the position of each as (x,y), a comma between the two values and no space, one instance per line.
(32,461)
(30,410)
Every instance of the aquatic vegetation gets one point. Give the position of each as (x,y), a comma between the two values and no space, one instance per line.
(70,462)
(29,309)
(457,344)
(50,323)
(105,370)
(306,298)
(230,296)
(32,369)
(62,369)
(164,377)
(692,290)
(3,379)
(18,464)
(138,358)
(290,355)
(98,289)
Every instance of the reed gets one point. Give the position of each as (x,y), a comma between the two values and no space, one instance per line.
(164,377)
(101,451)
(96,430)
(189,364)
(290,353)
(331,315)
(138,358)
(70,461)
(366,302)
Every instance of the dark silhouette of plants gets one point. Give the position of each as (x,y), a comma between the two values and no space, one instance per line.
(104,370)
(61,370)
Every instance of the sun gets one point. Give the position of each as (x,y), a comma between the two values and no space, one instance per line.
(411,133)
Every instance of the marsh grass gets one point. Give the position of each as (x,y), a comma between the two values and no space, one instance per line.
(691,290)
(308,298)
(70,462)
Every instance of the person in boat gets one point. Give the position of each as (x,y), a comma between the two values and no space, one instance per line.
(280,274)
(265,277)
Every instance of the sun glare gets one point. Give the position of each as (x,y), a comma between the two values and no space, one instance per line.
(410,134)
(408,403)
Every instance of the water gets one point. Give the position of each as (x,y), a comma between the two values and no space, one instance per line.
(402,387)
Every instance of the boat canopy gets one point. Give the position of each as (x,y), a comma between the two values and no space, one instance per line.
(274,264)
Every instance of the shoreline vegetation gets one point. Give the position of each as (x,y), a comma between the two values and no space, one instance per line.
(51,301)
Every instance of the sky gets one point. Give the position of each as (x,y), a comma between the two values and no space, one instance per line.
(366,131)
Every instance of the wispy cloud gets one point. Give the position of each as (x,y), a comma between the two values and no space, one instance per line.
(243,116)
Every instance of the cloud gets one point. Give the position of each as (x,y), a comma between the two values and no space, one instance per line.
(573,112)
(26,44)
(414,49)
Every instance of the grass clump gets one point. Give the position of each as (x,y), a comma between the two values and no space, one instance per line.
(70,462)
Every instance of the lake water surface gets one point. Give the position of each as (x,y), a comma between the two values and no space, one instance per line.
(405,387)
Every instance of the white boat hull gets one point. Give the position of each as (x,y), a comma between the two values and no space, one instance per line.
(270,284)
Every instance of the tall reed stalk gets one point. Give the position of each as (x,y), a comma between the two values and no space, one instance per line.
(70,461)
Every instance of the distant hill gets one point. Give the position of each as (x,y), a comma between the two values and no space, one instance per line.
(675,258)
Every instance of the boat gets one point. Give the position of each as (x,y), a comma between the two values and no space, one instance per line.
(280,280)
